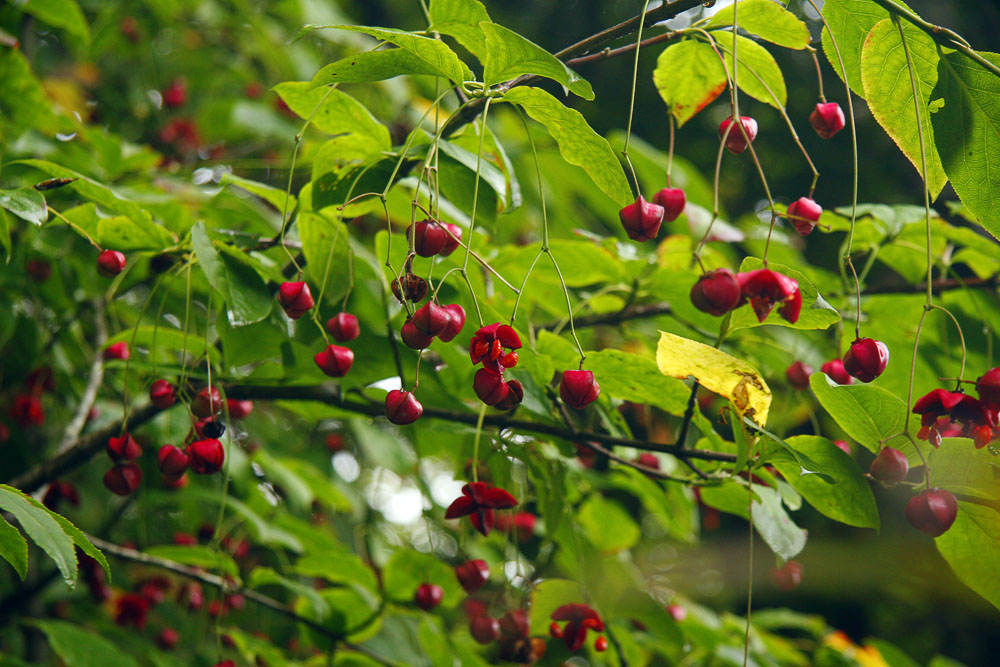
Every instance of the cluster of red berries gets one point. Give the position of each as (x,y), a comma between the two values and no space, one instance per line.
(478,501)
(721,291)
(579,618)
(642,219)
(336,361)
(956,414)
(495,347)
(25,408)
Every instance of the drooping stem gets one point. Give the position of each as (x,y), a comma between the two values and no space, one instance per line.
(631,106)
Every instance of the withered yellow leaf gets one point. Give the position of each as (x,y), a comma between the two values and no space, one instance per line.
(716,371)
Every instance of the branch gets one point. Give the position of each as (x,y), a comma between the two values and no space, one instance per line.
(227,587)
(72,432)
(324,394)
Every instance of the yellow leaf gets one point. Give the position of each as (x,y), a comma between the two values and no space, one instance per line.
(716,371)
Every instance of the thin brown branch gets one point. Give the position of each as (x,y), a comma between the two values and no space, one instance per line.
(622,50)
(72,432)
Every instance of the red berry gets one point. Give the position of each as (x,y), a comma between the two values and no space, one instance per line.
(866,359)
(130,28)
(343,327)
(239,409)
(334,442)
(515,395)
(472,575)
(932,512)
(788,576)
(455,323)
(766,289)
(716,292)
(798,375)
(431,319)
(335,361)
(39,270)
(117,351)
(253,90)
(844,446)
(110,263)
(429,238)
(207,402)
(484,629)
(207,456)
(428,596)
(555,630)
(578,389)
(489,386)
(410,287)
(185,539)
(123,478)
(402,407)
(804,213)
(601,644)
(173,461)
(641,220)
(295,298)
(890,465)
(175,95)
(167,639)
(827,119)
(26,411)
(988,386)
(123,448)
(59,491)
(735,142)
(672,201)
(649,460)
(453,242)
(835,369)
(414,339)
(983,436)
(677,612)
(178,483)
(162,394)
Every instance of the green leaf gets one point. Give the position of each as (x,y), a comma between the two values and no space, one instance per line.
(850,21)
(337,565)
(891,655)
(263,531)
(578,143)
(266,576)
(548,596)
(509,55)
(5,222)
(847,497)
(120,232)
(23,101)
(961,468)
(408,569)
(417,55)
(638,379)
(488,172)
(78,648)
(607,525)
(774,525)
(689,76)
(273,196)
(967,129)
(65,14)
(166,344)
(888,89)
(768,20)
(334,112)
(972,548)
(804,464)
(44,531)
(816,312)
(196,555)
(758,74)
(460,19)
(867,414)
(26,203)
(244,291)
(14,548)
(325,243)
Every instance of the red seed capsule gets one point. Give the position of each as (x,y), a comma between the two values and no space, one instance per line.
(295,298)
(866,359)
(804,213)
(428,596)
(123,478)
(162,394)
(736,143)
(110,263)
(827,119)
(672,201)
(890,465)
(207,456)
(343,327)
(932,512)
(641,220)
(716,292)
(578,389)
(402,407)
(335,361)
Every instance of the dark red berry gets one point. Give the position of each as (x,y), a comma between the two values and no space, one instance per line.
(932,512)
(988,386)
(26,410)
(410,287)
(578,389)
(123,478)
(765,289)
(123,448)
(207,456)
(641,220)
(890,465)
(489,386)
(798,375)
(295,298)
(414,339)
(428,596)
(716,292)
(835,369)
(454,239)
(736,143)
(238,409)
(185,539)
(59,491)
(649,460)
(555,630)
(335,361)
(788,576)
(484,629)
(343,327)
(39,270)
(601,644)
(866,359)
(334,442)
(429,238)
(431,319)
(110,263)
(672,201)
(175,95)
(173,461)
(455,323)
(207,402)
(402,407)
(804,213)
(167,639)
(515,394)
(827,119)
(117,351)
(162,394)
(472,575)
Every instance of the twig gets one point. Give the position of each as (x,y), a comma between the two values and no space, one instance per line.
(72,431)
